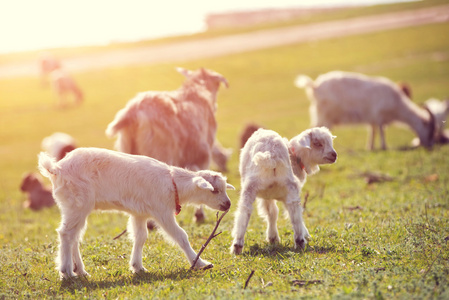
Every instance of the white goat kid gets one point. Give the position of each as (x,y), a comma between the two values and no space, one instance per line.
(273,168)
(342,97)
(90,179)
(176,127)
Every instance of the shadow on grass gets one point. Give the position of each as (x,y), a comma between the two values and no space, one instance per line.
(84,283)
(280,251)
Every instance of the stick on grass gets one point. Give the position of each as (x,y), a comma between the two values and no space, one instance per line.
(212,235)
(248,279)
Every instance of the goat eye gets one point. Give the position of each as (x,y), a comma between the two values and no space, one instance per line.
(317,144)
(215,191)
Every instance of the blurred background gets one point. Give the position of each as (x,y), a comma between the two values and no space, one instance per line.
(32,25)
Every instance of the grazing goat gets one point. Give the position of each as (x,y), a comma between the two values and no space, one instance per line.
(63,84)
(38,195)
(90,179)
(176,127)
(58,144)
(343,97)
(273,168)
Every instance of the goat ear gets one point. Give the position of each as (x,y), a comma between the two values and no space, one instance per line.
(203,183)
(183,71)
(230,186)
(305,142)
(334,137)
(224,81)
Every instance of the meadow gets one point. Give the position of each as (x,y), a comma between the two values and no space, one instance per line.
(381,240)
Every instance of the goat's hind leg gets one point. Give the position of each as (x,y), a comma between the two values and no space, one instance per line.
(294,208)
(69,234)
(78,265)
(269,210)
(242,216)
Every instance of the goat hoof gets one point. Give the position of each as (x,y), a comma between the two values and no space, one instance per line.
(82,274)
(273,240)
(236,249)
(151,225)
(300,244)
(66,275)
(138,270)
(209,266)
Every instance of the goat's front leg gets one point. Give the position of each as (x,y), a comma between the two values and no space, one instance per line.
(294,208)
(178,235)
(382,137)
(242,216)
(372,136)
(137,227)
(199,217)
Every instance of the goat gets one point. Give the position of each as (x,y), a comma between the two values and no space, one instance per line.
(273,168)
(38,195)
(90,179)
(176,127)
(58,144)
(342,97)
(63,84)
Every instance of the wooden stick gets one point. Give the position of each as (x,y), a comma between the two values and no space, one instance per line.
(248,279)
(212,235)
(118,236)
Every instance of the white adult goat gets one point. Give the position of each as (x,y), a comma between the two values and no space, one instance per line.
(90,179)
(273,168)
(343,97)
(176,127)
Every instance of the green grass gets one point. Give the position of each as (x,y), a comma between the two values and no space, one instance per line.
(393,247)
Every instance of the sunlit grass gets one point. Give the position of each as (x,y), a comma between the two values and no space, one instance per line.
(369,241)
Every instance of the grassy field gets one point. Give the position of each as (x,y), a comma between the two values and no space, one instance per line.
(382,240)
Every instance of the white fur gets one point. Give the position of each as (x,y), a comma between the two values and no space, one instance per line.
(176,127)
(342,97)
(440,110)
(58,144)
(270,169)
(90,179)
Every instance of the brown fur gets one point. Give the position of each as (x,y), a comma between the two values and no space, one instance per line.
(38,195)
(248,132)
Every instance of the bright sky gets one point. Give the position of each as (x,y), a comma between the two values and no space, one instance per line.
(37,24)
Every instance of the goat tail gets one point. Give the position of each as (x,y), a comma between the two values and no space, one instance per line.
(265,159)
(122,119)
(303,81)
(47,165)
